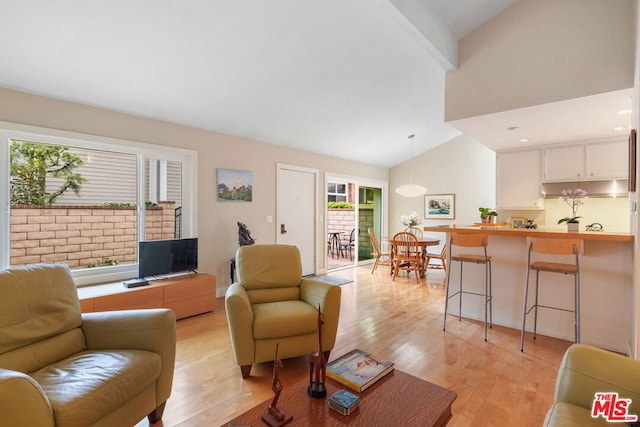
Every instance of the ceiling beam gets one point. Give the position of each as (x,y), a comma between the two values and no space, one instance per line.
(427,30)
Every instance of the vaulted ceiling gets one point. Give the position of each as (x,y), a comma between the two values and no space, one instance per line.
(350,79)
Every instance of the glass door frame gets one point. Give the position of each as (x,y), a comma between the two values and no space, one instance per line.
(359,182)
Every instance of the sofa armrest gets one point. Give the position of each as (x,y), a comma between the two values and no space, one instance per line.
(240,321)
(315,292)
(22,401)
(586,370)
(151,329)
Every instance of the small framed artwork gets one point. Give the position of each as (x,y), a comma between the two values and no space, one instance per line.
(234,185)
(517,222)
(440,206)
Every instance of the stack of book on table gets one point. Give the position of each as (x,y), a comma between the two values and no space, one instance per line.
(358,370)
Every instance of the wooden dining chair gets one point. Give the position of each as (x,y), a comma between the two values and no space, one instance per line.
(442,256)
(406,255)
(381,257)
(415,231)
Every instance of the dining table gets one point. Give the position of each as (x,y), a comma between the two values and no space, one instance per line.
(333,242)
(423,244)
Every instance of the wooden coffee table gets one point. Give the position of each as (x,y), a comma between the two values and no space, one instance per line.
(397,399)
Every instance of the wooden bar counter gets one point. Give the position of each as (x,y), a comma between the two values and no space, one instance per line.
(606,285)
(526,232)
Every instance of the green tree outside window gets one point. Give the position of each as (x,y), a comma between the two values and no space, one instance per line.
(32,164)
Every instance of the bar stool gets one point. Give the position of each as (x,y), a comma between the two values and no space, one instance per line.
(478,240)
(552,247)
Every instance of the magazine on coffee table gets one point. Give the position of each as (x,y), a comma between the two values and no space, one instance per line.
(358,369)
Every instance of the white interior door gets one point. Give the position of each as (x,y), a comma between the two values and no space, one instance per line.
(296,212)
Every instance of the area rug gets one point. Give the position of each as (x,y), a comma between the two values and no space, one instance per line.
(331,279)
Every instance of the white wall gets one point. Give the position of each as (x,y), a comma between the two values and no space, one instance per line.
(462,167)
(633,199)
(542,51)
(217,221)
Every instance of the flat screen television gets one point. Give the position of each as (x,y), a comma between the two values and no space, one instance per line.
(158,257)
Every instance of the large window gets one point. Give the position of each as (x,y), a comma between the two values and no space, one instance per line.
(88,201)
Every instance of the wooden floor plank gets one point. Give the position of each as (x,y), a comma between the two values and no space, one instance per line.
(497,385)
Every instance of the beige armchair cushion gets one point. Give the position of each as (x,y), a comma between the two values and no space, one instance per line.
(584,371)
(88,385)
(272,304)
(269,272)
(284,319)
(60,367)
(269,266)
(39,319)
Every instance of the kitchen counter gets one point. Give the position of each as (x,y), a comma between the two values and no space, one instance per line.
(529,232)
(606,285)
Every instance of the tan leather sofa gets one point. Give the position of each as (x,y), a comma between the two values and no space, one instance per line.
(272,303)
(584,371)
(61,368)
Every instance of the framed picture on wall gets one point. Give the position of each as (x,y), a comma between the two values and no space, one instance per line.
(440,206)
(234,185)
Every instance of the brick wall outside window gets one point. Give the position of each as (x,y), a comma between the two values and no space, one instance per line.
(82,235)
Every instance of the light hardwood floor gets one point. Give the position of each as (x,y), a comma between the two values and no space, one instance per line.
(497,385)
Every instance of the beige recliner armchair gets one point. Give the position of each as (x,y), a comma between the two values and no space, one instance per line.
(587,370)
(61,368)
(272,303)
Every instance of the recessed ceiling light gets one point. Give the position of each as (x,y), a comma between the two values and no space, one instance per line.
(620,128)
(524,140)
(624,112)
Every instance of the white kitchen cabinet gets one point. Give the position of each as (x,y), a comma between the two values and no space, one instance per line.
(609,160)
(564,163)
(518,180)
(596,161)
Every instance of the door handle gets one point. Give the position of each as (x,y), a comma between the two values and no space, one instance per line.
(283,230)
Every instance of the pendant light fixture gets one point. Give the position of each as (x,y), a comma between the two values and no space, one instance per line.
(411,189)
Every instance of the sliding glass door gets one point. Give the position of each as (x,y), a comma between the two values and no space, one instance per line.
(369,216)
(353,206)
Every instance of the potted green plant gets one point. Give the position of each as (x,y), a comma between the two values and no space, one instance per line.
(488,215)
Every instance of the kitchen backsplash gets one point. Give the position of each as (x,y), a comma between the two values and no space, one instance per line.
(613,213)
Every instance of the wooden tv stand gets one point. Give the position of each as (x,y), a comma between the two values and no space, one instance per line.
(187,295)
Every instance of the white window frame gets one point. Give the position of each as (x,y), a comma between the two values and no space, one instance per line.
(336,193)
(188,158)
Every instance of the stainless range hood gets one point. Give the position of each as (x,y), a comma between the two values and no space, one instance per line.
(610,188)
